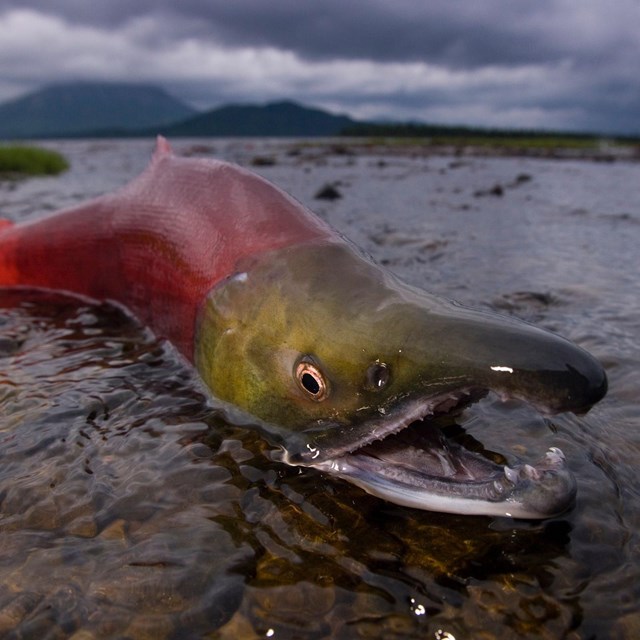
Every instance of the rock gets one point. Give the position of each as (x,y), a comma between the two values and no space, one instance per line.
(328,192)
(263,161)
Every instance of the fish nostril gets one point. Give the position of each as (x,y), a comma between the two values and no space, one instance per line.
(378,376)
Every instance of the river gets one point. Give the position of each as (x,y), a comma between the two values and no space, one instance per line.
(131,508)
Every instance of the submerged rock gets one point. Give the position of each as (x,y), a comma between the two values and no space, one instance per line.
(328,192)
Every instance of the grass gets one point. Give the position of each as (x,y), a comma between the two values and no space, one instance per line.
(534,142)
(497,139)
(507,142)
(16,161)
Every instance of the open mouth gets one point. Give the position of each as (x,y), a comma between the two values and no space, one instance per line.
(406,459)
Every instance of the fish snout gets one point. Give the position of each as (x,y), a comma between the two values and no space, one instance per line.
(518,360)
(572,380)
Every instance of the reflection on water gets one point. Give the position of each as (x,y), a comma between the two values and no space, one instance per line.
(129,508)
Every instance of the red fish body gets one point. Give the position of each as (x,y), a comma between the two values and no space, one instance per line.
(161,243)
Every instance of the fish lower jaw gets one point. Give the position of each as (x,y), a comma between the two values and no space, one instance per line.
(538,491)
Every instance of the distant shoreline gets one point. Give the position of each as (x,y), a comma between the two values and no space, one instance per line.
(477,146)
(550,147)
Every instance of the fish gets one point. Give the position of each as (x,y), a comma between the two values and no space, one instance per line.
(344,368)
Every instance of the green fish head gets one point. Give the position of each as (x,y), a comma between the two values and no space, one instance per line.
(337,354)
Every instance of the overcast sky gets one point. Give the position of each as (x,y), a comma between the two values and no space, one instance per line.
(555,64)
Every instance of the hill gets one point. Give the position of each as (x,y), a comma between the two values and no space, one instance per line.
(277,119)
(88,108)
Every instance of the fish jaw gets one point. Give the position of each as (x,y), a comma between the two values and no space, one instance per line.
(542,490)
(408,460)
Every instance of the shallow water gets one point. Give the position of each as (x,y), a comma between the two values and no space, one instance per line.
(130,508)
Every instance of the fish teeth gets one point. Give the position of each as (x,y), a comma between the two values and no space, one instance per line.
(511,474)
(530,472)
(388,425)
(524,472)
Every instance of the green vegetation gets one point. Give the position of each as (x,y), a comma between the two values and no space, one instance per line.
(31,161)
(472,137)
(530,142)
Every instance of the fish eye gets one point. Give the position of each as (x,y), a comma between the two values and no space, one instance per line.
(311,380)
(377,376)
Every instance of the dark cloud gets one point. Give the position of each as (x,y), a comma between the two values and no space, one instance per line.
(575,61)
(438,31)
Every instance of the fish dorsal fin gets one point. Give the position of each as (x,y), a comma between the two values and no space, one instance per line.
(163,148)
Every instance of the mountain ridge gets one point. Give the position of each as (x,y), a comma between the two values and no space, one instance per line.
(78,108)
(105,109)
(283,118)
(117,109)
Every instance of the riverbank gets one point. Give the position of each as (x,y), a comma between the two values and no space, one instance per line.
(478,146)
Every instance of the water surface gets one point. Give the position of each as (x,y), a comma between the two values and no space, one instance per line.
(129,506)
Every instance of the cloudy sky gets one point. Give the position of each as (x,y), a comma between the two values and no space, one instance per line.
(557,64)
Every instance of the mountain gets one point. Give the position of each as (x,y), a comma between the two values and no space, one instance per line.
(89,108)
(277,119)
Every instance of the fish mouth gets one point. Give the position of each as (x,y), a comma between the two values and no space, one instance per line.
(406,458)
